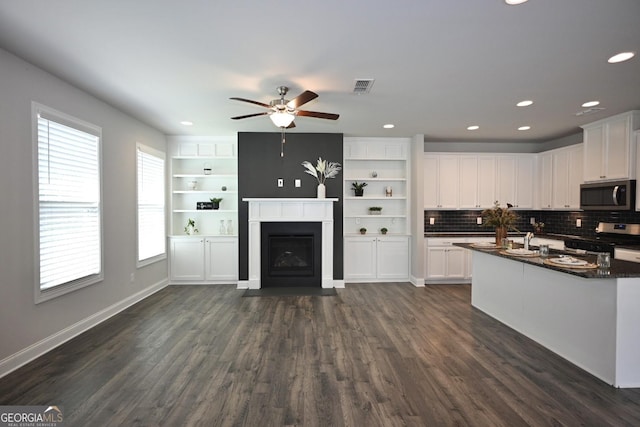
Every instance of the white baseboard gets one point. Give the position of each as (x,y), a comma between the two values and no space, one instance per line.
(418,282)
(339,284)
(26,355)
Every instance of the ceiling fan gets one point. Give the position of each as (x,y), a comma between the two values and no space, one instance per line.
(282,111)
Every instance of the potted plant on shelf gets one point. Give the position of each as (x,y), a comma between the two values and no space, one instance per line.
(375,210)
(502,219)
(321,172)
(363,230)
(190,228)
(384,230)
(216,202)
(358,188)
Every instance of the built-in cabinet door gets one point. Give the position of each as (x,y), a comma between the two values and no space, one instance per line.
(546,183)
(560,176)
(618,141)
(393,258)
(221,255)
(468,198)
(436,263)
(456,262)
(486,181)
(594,140)
(448,176)
(359,258)
(430,176)
(525,175)
(506,180)
(187,258)
(576,164)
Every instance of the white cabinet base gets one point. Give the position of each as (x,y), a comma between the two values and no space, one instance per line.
(203,260)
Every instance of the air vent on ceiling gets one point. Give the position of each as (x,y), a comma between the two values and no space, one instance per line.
(589,111)
(363,86)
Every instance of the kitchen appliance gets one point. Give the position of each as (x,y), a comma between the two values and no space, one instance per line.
(608,236)
(611,196)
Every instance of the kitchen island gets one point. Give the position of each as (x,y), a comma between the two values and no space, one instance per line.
(589,316)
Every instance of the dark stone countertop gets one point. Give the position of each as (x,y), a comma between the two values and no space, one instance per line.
(619,269)
(492,233)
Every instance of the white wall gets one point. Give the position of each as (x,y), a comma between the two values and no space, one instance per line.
(27,328)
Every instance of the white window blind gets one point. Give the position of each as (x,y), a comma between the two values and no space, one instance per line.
(69,197)
(151,203)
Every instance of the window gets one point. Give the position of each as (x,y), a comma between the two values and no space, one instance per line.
(68,203)
(151,205)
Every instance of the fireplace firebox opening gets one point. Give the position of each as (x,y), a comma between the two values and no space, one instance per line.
(291,254)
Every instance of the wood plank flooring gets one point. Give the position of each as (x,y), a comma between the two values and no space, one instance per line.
(374,355)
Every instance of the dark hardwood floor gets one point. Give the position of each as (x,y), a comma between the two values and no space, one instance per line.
(374,355)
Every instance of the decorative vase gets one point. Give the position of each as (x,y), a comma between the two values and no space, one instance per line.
(322,191)
(501,233)
(358,192)
(229,227)
(190,230)
(223,229)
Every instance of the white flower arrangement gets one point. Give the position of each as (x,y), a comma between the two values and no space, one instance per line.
(322,170)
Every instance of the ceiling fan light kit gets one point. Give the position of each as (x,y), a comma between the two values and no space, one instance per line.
(283,112)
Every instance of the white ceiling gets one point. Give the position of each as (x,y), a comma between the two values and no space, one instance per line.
(439,65)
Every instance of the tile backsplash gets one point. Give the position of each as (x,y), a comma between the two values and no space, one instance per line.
(560,222)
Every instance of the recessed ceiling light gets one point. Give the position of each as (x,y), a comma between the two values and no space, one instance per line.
(524,128)
(186,123)
(474,127)
(514,2)
(525,103)
(388,126)
(621,57)
(591,104)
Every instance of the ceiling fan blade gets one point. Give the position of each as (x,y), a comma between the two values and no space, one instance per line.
(301,99)
(292,125)
(329,116)
(249,115)
(262,104)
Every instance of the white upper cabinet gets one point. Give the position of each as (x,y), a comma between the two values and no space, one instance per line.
(545,184)
(477,182)
(609,151)
(567,177)
(441,178)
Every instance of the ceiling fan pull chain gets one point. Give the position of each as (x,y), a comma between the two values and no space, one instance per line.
(282,144)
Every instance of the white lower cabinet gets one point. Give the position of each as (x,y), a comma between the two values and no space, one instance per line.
(376,258)
(446,263)
(205,260)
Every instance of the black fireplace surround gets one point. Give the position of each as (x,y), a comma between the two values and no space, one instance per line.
(291,254)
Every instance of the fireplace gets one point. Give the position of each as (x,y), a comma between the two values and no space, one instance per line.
(291,211)
(291,254)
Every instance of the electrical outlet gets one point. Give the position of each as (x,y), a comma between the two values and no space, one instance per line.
(297,183)
(432,221)
(132,277)
(280,182)
(479,220)
(578,223)
(532,220)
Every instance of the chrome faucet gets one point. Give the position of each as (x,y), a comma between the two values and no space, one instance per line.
(527,240)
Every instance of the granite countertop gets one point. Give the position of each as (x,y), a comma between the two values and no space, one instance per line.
(619,269)
(492,233)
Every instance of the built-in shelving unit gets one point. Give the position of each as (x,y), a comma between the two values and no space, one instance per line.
(383,164)
(202,168)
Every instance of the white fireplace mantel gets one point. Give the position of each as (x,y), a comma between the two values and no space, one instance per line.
(289,210)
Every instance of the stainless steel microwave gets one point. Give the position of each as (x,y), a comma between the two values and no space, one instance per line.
(612,196)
